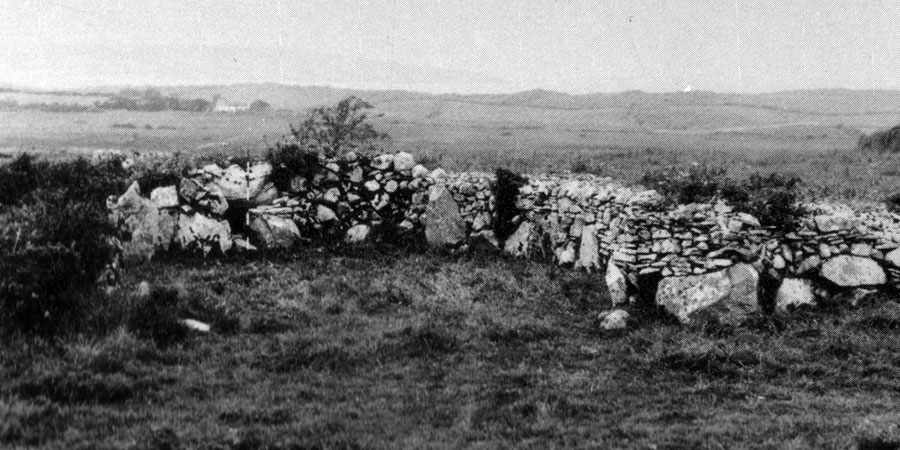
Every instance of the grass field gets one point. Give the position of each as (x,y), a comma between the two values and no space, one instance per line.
(383,348)
(824,156)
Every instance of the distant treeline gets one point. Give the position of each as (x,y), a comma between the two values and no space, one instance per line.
(152,100)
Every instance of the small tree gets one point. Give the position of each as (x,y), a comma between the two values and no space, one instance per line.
(336,130)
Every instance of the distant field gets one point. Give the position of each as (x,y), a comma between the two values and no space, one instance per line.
(539,141)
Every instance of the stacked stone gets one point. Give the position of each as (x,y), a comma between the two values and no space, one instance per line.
(474,194)
(353,193)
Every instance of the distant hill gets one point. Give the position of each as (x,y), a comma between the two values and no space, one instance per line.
(697,111)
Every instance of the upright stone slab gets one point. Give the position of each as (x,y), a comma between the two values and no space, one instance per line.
(148,227)
(852,271)
(518,244)
(444,226)
(616,284)
(728,295)
(196,230)
(589,253)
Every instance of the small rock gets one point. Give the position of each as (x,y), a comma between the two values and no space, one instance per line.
(357,234)
(143,289)
(419,171)
(196,325)
(325,214)
(332,196)
(372,185)
(437,174)
(403,161)
(390,186)
(382,162)
(615,320)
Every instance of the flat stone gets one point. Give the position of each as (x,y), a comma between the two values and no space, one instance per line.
(852,271)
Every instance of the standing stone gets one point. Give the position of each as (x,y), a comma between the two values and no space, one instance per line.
(589,253)
(793,293)
(443,225)
(727,295)
(149,228)
(518,244)
(275,231)
(893,257)
(852,271)
(616,284)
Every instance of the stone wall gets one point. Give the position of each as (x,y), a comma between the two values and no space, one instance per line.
(692,259)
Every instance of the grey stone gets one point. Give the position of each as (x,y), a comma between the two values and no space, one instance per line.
(518,244)
(275,232)
(589,252)
(403,161)
(199,231)
(357,234)
(615,320)
(852,271)
(165,197)
(444,226)
(616,284)
(727,295)
(794,293)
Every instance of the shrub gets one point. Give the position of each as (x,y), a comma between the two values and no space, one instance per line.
(49,272)
(289,161)
(336,130)
(772,199)
(506,193)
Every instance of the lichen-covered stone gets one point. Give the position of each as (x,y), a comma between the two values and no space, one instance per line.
(852,271)
(444,225)
(727,295)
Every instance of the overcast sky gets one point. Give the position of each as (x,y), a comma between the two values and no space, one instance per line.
(454,45)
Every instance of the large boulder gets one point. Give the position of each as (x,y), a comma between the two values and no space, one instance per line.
(852,271)
(150,229)
(444,226)
(518,244)
(165,197)
(198,231)
(794,293)
(275,232)
(728,296)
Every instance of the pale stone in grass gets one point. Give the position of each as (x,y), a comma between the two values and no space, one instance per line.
(518,244)
(615,320)
(852,271)
(358,234)
(589,252)
(794,293)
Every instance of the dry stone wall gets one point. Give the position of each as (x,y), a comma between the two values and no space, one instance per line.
(701,258)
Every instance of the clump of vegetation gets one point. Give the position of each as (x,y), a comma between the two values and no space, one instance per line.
(773,199)
(881,141)
(334,131)
(158,317)
(55,241)
(506,192)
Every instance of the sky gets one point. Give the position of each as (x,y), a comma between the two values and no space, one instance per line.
(471,46)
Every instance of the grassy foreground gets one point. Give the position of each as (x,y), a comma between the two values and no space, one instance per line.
(379,348)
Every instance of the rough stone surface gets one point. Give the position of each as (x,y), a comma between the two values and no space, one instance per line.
(794,293)
(852,271)
(444,225)
(358,234)
(253,186)
(403,161)
(893,257)
(150,229)
(275,232)
(165,197)
(197,231)
(616,284)
(727,295)
(589,252)
(518,244)
(615,320)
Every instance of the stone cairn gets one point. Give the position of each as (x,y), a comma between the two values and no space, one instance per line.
(696,260)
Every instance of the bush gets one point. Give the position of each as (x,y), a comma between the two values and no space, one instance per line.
(772,199)
(289,161)
(56,241)
(506,193)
